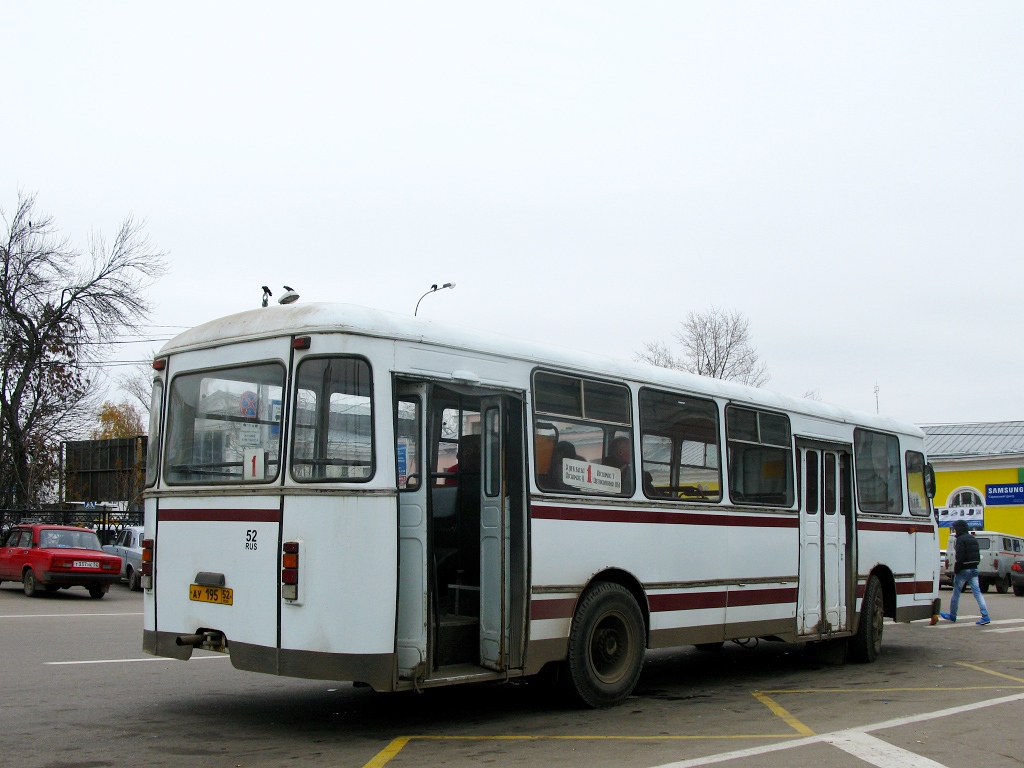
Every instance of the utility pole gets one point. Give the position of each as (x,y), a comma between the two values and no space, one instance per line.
(876,397)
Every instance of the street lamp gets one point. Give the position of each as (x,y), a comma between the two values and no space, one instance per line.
(433,289)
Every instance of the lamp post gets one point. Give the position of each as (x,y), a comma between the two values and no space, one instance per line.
(433,289)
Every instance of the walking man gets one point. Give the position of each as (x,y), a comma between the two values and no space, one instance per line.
(968,556)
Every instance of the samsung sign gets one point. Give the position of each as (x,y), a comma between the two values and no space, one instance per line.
(1003,495)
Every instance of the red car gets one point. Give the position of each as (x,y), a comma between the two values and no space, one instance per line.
(55,557)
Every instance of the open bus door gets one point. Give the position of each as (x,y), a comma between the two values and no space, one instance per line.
(502,534)
(414,484)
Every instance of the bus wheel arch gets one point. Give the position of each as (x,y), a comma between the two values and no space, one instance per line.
(866,643)
(607,639)
(632,585)
(888,584)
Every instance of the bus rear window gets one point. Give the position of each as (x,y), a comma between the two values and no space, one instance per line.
(156,407)
(224,426)
(333,424)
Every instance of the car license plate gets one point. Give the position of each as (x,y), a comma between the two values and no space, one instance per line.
(218,595)
(87,563)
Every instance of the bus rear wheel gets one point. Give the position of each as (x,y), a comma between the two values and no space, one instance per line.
(867,643)
(1003,585)
(606,646)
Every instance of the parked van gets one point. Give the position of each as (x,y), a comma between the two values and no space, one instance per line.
(999,551)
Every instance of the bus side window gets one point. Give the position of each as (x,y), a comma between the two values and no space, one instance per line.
(583,428)
(760,457)
(876,457)
(679,447)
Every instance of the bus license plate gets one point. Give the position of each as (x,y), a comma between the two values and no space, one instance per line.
(219,595)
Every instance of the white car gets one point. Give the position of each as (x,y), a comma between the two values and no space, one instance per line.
(128,546)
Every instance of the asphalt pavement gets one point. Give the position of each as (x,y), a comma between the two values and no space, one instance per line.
(78,692)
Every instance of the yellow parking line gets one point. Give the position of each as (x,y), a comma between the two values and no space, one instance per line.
(891,690)
(388,752)
(990,672)
(396,745)
(782,712)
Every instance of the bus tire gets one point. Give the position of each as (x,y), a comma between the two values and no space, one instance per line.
(606,646)
(867,643)
(1003,585)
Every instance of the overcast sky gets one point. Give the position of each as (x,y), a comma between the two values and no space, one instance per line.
(849,176)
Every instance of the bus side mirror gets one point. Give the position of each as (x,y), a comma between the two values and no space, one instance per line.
(929,480)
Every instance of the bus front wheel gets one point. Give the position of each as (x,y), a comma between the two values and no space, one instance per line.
(606,646)
(867,643)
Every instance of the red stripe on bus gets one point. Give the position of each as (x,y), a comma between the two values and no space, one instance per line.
(600,515)
(913,587)
(692,601)
(560,608)
(762,596)
(220,515)
(903,588)
(864,525)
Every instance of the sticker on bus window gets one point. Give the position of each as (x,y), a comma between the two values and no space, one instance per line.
(591,477)
(249,435)
(254,464)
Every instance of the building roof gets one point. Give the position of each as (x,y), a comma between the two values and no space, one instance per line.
(991,438)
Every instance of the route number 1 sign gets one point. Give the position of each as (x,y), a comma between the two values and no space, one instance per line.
(254,464)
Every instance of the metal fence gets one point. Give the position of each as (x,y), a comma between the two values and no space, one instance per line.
(105,523)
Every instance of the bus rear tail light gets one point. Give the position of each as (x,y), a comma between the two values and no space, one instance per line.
(290,571)
(995,563)
(148,551)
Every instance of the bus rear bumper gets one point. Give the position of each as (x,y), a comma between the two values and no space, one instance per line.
(374,669)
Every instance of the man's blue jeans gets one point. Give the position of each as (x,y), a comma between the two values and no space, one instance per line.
(967,575)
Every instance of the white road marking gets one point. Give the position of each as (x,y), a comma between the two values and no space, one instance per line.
(879,753)
(65,615)
(123,661)
(1005,629)
(900,721)
(968,621)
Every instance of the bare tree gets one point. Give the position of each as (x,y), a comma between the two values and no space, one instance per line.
(715,343)
(59,311)
(138,383)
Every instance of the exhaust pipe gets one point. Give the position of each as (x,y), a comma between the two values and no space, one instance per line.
(210,640)
(194,640)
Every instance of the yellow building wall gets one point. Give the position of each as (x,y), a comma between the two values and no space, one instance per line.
(1006,519)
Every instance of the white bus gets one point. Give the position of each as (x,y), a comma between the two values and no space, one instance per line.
(347,494)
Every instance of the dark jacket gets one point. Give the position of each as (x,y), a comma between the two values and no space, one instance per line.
(968,553)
